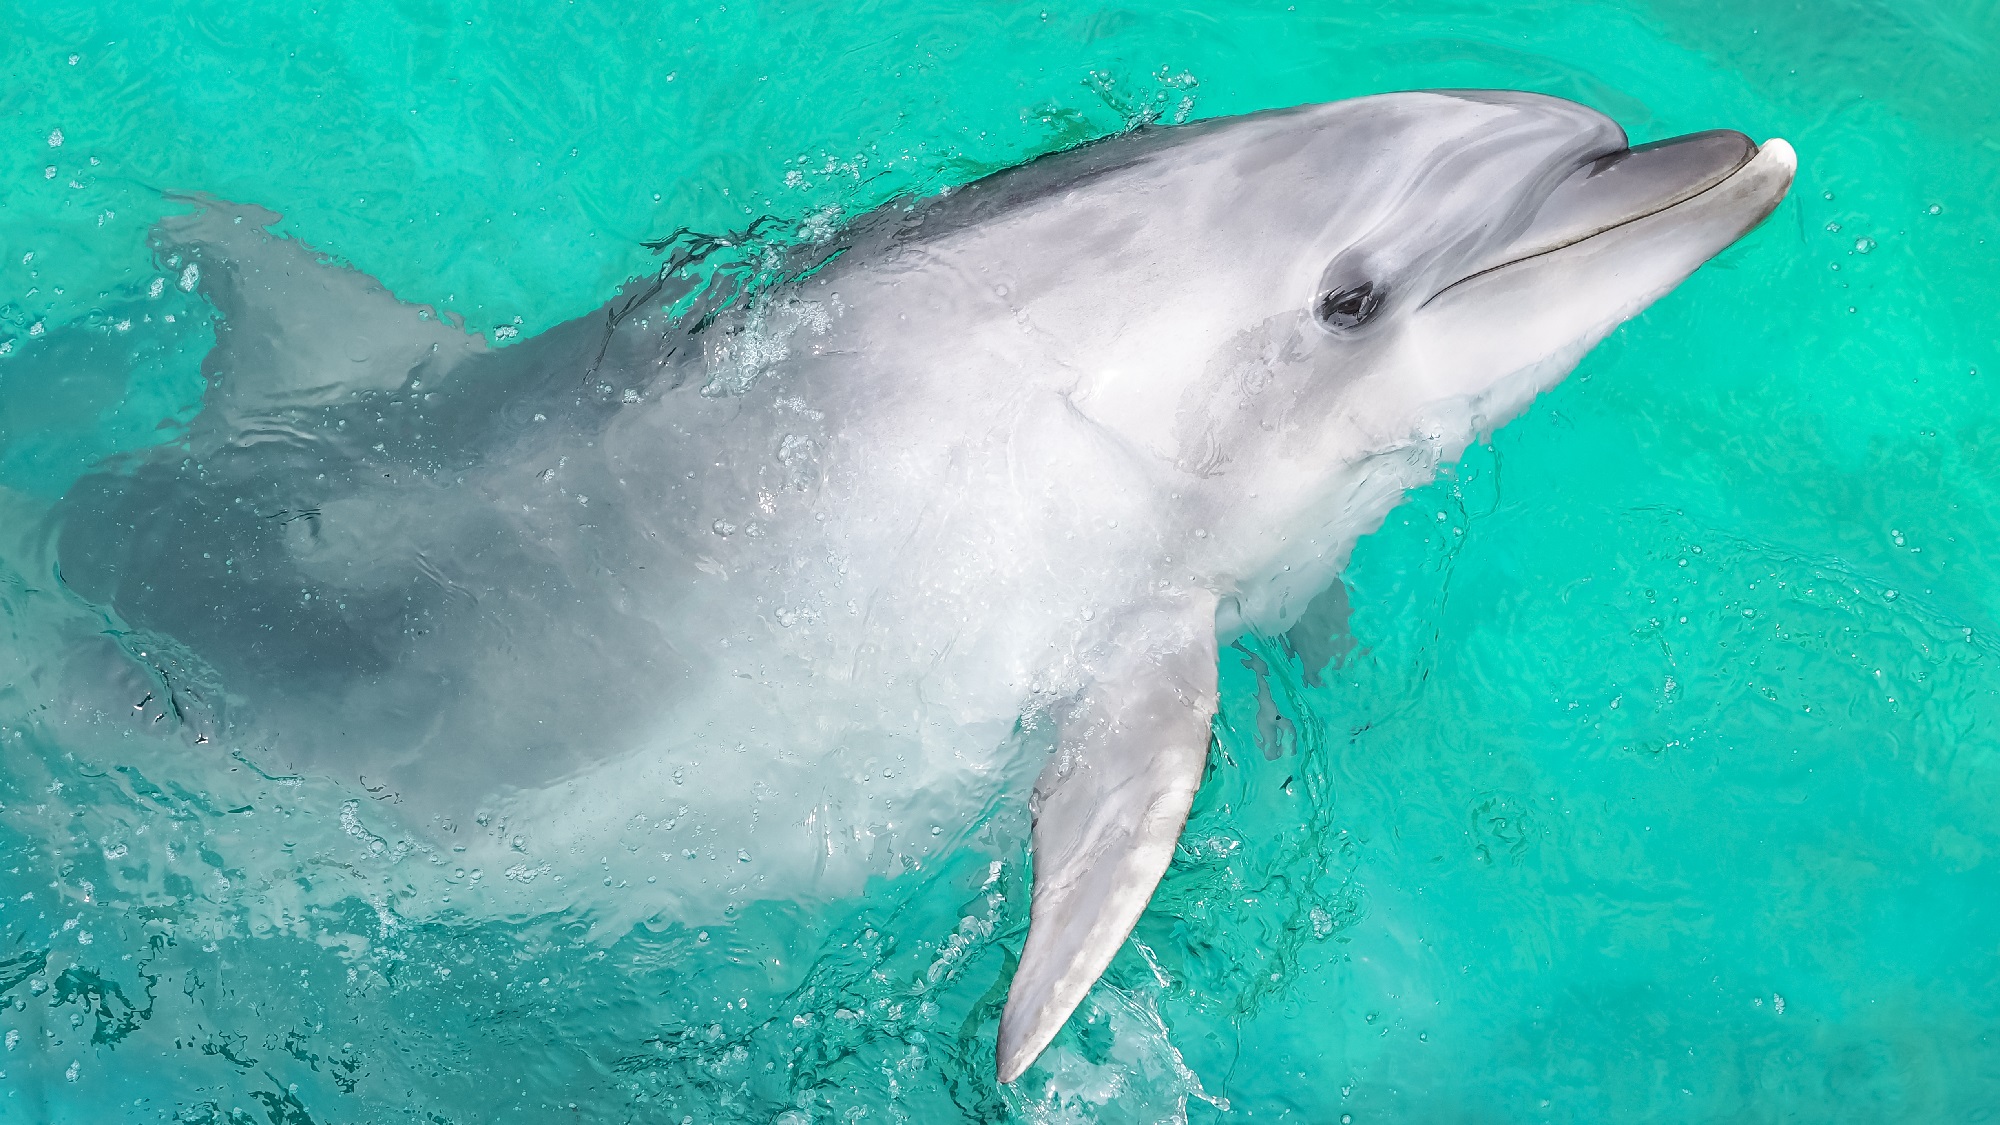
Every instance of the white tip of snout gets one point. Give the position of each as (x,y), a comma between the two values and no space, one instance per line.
(1778,152)
(1764,180)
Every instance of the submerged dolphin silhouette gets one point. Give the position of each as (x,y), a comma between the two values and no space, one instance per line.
(996,467)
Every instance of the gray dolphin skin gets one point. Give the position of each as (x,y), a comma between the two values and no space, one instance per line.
(810,577)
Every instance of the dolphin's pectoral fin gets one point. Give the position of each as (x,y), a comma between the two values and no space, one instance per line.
(1320,636)
(1108,810)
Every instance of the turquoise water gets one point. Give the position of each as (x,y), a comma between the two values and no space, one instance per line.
(1661,784)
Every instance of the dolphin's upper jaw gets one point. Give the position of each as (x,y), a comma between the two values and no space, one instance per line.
(1619,188)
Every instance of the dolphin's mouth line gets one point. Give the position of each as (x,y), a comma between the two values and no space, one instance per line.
(1665,202)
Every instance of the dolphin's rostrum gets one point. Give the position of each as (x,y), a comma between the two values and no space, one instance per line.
(992,472)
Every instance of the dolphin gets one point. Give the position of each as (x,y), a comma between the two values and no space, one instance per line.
(967,496)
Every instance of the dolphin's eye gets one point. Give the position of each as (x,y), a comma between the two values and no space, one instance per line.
(1352,307)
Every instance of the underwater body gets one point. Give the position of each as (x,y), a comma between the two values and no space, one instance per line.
(353,875)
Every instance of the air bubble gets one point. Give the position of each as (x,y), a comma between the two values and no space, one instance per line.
(1863,245)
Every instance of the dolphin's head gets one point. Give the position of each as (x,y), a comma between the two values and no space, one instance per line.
(1454,253)
(1283,321)
(1392,275)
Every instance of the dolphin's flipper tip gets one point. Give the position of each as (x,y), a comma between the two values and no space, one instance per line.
(1015,1053)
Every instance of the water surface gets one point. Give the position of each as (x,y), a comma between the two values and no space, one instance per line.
(1662,782)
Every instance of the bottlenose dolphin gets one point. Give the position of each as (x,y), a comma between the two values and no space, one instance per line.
(795,578)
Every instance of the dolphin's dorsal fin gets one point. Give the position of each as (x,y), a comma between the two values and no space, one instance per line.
(1108,811)
(294,328)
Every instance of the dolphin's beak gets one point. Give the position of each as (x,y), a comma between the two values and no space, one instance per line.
(1619,188)
(1615,236)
